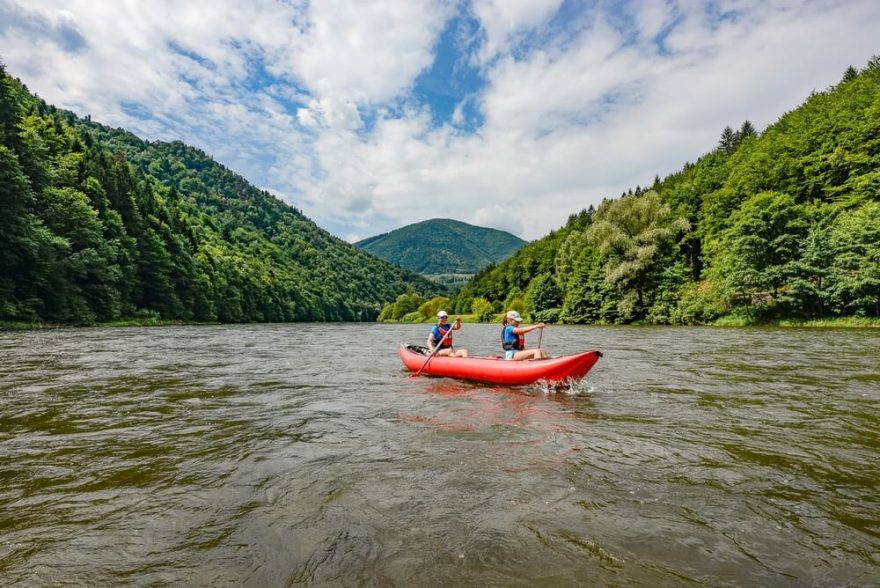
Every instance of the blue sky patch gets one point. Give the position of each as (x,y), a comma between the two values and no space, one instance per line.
(453,76)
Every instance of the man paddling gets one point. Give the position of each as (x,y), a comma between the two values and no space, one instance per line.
(441,336)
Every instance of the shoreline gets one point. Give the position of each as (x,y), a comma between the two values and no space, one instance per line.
(730,323)
(839,323)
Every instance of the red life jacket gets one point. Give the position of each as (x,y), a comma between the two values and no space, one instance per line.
(446,342)
(517,344)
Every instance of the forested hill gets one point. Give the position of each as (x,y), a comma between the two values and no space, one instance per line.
(98,225)
(773,225)
(443,246)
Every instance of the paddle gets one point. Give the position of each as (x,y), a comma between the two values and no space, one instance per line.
(436,349)
(541,334)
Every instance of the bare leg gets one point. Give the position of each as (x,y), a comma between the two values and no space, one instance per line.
(529,354)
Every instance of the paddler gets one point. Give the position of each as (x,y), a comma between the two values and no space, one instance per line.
(440,337)
(513,338)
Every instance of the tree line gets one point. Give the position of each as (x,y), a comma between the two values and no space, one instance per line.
(97,225)
(782,224)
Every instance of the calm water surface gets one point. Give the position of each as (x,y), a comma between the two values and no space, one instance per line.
(278,455)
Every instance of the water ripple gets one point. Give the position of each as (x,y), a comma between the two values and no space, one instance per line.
(281,455)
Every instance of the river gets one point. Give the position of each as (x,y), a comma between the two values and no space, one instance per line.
(302,454)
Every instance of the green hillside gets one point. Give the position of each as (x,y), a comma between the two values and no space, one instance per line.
(443,247)
(97,225)
(771,226)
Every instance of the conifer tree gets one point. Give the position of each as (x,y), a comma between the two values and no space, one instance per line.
(727,143)
(746,130)
(849,74)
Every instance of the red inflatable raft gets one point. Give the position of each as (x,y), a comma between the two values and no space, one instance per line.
(495,370)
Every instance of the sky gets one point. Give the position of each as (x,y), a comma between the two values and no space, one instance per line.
(371,115)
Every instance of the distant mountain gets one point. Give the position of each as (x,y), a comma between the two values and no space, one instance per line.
(444,249)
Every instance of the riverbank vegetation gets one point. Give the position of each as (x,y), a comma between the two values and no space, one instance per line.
(412,308)
(776,227)
(98,226)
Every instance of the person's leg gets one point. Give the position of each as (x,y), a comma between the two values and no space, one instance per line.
(446,351)
(461,353)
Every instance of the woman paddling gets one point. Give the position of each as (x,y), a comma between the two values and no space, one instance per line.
(513,338)
(441,335)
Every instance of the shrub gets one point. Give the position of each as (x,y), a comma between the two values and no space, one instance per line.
(412,317)
(483,310)
(699,305)
(551,315)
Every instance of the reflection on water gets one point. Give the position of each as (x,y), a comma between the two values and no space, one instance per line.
(284,454)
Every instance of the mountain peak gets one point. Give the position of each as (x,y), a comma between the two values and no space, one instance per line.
(443,247)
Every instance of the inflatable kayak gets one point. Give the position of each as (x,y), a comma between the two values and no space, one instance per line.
(496,370)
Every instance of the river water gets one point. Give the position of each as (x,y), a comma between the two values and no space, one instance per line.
(302,454)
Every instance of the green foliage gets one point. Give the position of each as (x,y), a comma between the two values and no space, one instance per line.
(515,301)
(543,293)
(634,236)
(854,275)
(404,304)
(412,317)
(699,303)
(443,246)
(97,225)
(496,283)
(429,309)
(727,142)
(549,315)
(757,256)
(483,310)
(783,226)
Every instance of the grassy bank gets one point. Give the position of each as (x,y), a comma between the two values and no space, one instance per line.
(22,326)
(850,322)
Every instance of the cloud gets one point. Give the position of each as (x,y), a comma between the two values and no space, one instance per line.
(504,21)
(367,50)
(652,17)
(565,103)
(60,29)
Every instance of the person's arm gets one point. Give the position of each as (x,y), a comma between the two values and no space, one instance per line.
(457,324)
(430,343)
(529,329)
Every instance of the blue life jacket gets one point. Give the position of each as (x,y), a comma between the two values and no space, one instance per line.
(437,333)
(510,340)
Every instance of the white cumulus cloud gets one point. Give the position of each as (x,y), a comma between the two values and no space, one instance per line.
(319,102)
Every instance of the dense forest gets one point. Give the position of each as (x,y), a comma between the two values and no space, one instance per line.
(777,225)
(97,225)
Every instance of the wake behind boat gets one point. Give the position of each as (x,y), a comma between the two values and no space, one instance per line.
(495,370)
